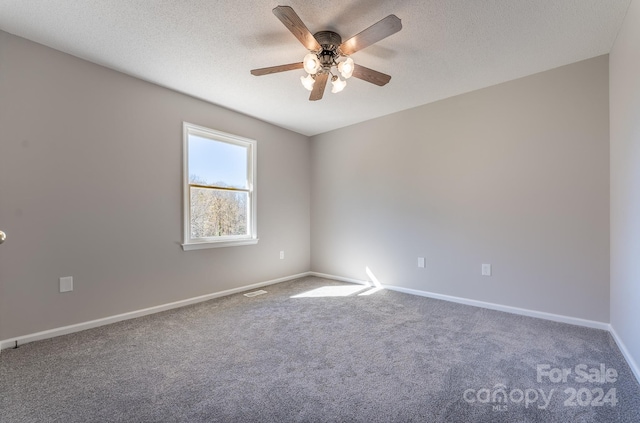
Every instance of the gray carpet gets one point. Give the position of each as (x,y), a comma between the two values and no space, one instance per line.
(384,357)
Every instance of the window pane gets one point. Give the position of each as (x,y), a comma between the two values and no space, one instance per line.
(218,212)
(217,163)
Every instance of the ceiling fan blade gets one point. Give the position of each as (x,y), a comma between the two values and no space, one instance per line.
(276,69)
(370,75)
(293,22)
(376,32)
(318,87)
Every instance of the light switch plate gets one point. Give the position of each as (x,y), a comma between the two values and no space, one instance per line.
(66,284)
(486,270)
(421,262)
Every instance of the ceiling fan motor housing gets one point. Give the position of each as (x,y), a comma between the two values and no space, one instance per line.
(329,41)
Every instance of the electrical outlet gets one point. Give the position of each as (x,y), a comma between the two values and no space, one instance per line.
(66,284)
(486,270)
(421,262)
(281,255)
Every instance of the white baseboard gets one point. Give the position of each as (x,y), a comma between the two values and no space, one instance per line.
(499,307)
(10,343)
(625,352)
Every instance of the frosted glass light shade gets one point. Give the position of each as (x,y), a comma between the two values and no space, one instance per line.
(346,68)
(307,81)
(338,85)
(311,63)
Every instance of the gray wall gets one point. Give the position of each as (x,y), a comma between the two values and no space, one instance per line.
(515,175)
(90,187)
(625,183)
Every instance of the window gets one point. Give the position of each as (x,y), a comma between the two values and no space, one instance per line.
(219,189)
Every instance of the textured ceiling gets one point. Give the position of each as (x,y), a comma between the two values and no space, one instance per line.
(207,48)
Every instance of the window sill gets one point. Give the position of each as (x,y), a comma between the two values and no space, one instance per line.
(219,244)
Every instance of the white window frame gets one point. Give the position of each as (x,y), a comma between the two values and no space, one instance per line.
(219,241)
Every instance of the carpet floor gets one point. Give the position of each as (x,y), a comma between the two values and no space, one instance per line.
(316,350)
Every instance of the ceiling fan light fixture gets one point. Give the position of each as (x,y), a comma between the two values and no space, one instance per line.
(346,68)
(311,63)
(307,82)
(338,84)
(327,51)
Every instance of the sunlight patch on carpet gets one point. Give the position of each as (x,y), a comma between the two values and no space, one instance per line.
(332,291)
(371,291)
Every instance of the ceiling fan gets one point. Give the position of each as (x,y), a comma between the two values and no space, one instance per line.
(326,51)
